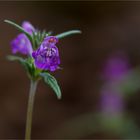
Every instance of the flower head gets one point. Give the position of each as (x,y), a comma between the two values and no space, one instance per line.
(21,43)
(47,55)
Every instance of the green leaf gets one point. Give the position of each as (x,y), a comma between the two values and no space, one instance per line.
(24,62)
(20,29)
(68,33)
(42,36)
(15,58)
(51,81)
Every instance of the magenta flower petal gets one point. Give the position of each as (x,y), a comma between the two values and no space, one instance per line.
(28,27)
(22,45)
(47,55)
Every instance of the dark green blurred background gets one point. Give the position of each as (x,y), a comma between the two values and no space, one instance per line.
(106,27)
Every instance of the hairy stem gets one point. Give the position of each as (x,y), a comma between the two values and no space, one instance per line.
(33,87)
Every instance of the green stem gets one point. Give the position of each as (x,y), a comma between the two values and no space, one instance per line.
(33,87)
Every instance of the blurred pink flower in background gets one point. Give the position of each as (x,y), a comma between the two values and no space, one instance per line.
(114,70)
(115,67)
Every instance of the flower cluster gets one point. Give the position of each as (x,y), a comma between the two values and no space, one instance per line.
(40,51)
(46,57)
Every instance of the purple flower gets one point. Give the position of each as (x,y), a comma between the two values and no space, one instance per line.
(21,43)
(47,55)
(115,68)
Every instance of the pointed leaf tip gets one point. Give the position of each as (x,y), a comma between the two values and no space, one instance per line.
(52,82)
(20,29)
(15,58)
(68,33)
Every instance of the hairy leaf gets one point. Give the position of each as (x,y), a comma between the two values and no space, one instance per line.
(52,82)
